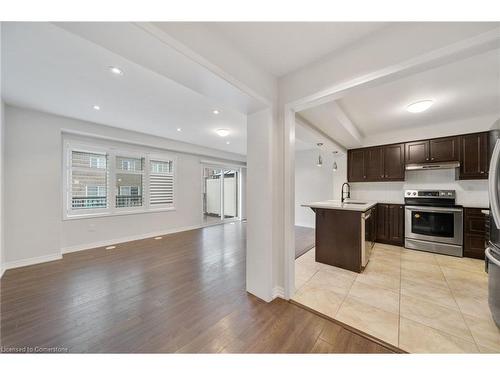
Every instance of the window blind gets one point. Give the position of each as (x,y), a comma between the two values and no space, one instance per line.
(161,183)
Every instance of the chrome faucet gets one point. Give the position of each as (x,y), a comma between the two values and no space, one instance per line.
(348,192)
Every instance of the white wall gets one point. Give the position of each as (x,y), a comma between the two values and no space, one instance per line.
(470,193)
(313,184)
(35,230)
(2,127)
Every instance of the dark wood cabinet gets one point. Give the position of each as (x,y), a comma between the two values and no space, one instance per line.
(387,162)
(474,233)
(444,149)
(390,224)
(394,162)
(433,150)
(417,152)
(474,156)
(382,220)
(356,165)
(374,164)
(381,163)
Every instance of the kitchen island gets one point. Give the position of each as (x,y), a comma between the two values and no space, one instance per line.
(345,232)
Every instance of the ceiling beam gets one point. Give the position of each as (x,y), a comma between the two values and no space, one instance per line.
(319,133)
(454,52)
(345,122)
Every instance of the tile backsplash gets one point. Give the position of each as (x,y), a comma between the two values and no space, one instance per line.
(470,193)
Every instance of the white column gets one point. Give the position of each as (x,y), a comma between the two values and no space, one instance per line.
(260,216)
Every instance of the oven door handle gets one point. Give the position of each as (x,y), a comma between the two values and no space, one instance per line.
(433,209)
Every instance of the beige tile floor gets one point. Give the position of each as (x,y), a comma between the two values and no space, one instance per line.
(417,301)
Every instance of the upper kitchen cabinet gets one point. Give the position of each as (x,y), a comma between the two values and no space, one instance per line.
(417,152)
(374,164)
(433,150)
(473,156)
(444,149)
(381,163)
(394,162)
(356,165)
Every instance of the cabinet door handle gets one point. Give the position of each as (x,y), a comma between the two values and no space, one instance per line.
(426,158)
(482,171)
(432,158)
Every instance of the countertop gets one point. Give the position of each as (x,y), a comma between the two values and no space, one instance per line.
(349,205)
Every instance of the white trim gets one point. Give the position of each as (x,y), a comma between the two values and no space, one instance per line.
(93,245)
(278,292)
(216,162)
(31,261)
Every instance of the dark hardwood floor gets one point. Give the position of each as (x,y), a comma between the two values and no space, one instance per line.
(183,293)
(304,240)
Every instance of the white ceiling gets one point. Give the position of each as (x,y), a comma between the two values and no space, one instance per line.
(282,47)
(48,68)
(466,88)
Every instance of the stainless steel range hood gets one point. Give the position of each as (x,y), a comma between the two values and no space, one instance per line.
(427,166)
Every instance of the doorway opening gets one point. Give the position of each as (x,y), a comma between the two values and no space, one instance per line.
(221,194)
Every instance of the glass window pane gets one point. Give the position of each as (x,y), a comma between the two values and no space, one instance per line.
(230,193)
(129,164)
(88,180)
(211,195)
(128,190)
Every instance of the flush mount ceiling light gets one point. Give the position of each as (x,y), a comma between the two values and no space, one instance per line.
(115,70)
(222,132)
(215,112)
(228,142)
(420,106)
(179,129)
(97,108)
(320,159)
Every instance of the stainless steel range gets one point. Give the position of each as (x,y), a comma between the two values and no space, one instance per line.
(433,222)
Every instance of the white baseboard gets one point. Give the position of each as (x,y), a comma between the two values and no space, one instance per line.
(278,292)
(31,261)
(92,245)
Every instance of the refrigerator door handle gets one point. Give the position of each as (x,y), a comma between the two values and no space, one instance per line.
(493,184)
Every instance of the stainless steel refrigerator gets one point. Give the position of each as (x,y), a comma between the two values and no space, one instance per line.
(492,253)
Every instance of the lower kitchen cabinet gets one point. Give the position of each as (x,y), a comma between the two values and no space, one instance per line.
(390,224)
(474,233)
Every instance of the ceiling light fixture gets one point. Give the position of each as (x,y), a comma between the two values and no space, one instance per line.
(215,112)
(320,159)
(228,142)
(222,132)
(97,108)
(115,70)
(335,167)
(179,129)
(420,106)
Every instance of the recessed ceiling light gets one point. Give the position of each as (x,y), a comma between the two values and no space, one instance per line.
(115,70)
(179,129)
(222,132)
(228,142)
(97,108)
(215,112)
(420,106)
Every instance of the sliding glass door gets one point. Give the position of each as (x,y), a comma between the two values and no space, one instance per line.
(221,187)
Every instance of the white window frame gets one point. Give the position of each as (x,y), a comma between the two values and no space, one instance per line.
(112,151)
